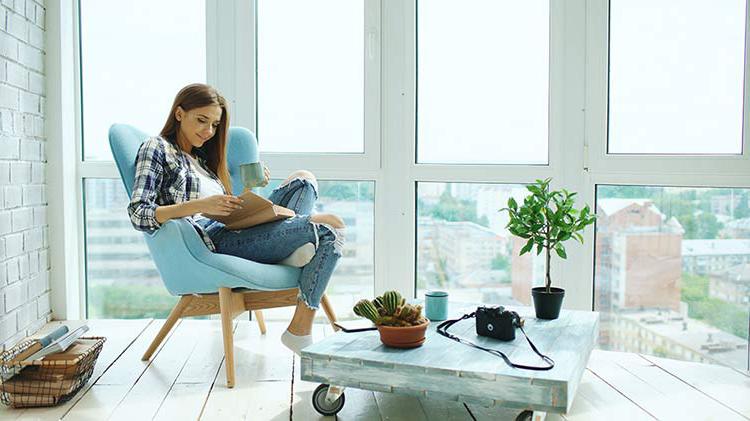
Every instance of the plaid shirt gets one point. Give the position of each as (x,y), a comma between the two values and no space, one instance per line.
(163,176)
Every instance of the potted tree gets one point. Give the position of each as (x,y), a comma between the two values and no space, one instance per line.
(547,219)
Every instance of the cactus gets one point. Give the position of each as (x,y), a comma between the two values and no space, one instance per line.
(390,309)
(378,302)
(391,301)
(392,321)
(365,308)
(409,313)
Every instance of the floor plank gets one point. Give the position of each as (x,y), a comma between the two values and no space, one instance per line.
(263,372)
(723,384)
(120,336)
(654,390)
(399,407)
(436,409)
(146,396)
(597,400)
(189,393)
(113,386)
(360,405)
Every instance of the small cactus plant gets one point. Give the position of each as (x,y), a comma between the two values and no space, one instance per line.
(390,309)
(391,300)
(365,308)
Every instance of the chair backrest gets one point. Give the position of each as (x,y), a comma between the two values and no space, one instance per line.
(177,250)
(242,147)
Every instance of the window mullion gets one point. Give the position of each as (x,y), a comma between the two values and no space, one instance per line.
(395,196)
(567,146)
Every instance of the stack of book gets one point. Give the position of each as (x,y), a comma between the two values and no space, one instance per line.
(48,370)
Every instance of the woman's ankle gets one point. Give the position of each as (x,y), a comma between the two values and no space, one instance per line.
(299,331)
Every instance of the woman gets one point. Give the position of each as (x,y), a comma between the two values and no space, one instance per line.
(183,173)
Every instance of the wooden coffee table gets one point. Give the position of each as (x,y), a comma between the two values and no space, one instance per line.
(445,369)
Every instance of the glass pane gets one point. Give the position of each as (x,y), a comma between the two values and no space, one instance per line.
(354,277)
(672,275)
(135,57)
(464,248)
(122,281)
(676,76)
(311,76)
(482,79)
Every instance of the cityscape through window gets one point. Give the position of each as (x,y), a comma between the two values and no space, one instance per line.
(464,248)
(672,272)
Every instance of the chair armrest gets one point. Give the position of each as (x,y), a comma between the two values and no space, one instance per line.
(178,229)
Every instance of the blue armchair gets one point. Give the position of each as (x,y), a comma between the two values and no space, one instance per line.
(209,283)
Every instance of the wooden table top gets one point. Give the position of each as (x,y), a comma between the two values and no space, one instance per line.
(445,369)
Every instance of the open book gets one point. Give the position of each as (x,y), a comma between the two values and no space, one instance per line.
(255,210)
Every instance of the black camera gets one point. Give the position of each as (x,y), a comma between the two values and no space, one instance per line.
(498,323)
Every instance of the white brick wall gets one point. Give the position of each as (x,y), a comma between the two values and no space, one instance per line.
(24,267)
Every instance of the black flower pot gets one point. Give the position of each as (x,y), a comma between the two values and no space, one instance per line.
(547,304)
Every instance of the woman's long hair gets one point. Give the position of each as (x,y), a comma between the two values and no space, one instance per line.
(195,96)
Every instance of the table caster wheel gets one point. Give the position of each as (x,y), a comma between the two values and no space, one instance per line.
(525,416)
(322,405)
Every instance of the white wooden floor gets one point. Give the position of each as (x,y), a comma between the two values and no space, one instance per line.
(186,380)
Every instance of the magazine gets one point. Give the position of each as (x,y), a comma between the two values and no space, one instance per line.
(59,345)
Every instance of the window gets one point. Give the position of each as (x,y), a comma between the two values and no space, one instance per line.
(311,76)
(464,248)
(649,242)
(479,85)
(353,279)
(676,76)
(132,66)
(122,281)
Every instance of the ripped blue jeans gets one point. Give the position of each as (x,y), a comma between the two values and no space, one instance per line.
(274,241)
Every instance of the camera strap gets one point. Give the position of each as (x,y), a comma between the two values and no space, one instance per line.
(443,330)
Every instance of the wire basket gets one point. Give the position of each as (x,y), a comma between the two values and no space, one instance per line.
(49,381)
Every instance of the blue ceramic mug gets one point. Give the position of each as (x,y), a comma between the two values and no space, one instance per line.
(436,305)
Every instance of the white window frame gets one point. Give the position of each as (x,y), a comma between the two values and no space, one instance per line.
(689,169)
(231,57)
(676,170)
(397,174)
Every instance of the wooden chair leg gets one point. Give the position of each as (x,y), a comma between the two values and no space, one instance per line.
(261,321)
(174,315)
(225,303)
(328,309)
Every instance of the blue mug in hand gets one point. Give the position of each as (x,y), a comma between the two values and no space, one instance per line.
(436,305)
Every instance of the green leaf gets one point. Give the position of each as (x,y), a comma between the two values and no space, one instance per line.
(560,249)
(527,247)
(512,203)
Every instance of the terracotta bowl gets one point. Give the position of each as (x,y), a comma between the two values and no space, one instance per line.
(403,337)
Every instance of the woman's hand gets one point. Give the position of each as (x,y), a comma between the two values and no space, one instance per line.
(220,204)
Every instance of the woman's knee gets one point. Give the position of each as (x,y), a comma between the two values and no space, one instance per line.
(328,218)
(307,175)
